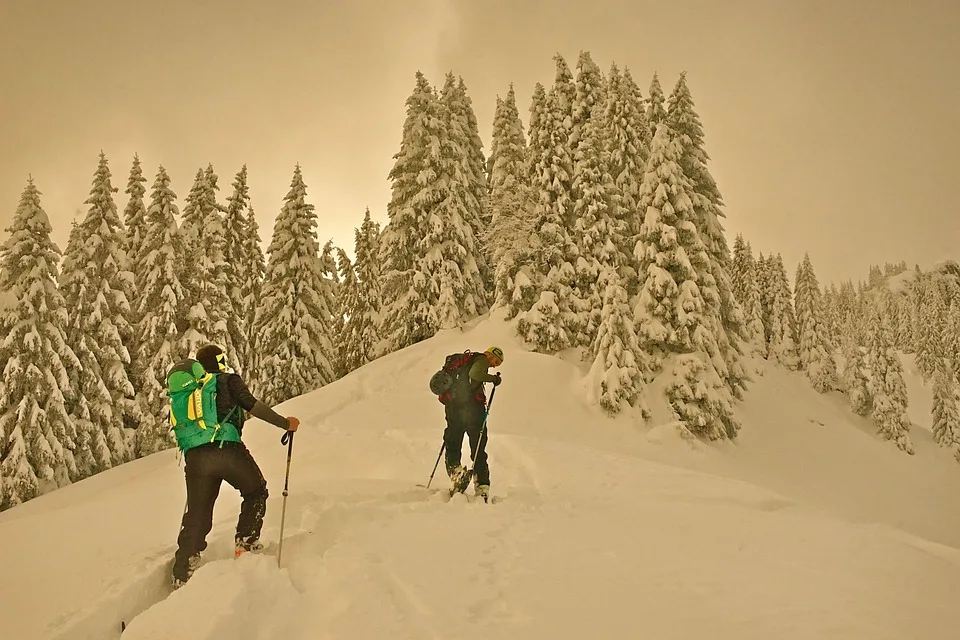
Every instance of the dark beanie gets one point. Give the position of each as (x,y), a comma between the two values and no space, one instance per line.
(207,356)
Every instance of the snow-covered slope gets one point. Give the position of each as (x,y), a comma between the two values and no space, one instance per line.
(809,526)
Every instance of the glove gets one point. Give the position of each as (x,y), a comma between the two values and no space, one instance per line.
(293,423)
(496,380)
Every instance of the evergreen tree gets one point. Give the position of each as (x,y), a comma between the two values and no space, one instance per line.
(764,276)
(952,339)
(94,287)
(946,418)
(539,140)
(816,351)
(466,152)
(739,270)
(292,319)
(782,345)
(36,434)
(553,322)
(236,244)
(656,113)
(598,229)
(135,223)
(854,377)
(330,289)
(429,252)
(887,388)
(365,318)
(616,375)
(162,302)
(588,93)
(671,315)
(726,315)
(929,335)
(511,237)
(752,305)
(625,134)
(904,325)
(631,91)
(204,275)
(254,265)
(348,356)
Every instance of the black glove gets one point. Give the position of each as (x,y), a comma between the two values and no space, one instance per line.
(496,379)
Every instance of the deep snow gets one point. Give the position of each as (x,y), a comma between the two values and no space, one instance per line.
(808,526)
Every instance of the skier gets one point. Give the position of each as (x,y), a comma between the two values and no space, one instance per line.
(210,463)
(467,417)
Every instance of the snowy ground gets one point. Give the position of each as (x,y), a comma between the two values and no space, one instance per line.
(808,527)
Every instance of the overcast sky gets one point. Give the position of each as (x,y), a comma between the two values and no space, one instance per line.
(832,125)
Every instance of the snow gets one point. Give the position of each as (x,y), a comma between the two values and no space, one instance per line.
(807,526)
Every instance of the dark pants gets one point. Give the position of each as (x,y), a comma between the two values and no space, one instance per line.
(466,419)
(207,466)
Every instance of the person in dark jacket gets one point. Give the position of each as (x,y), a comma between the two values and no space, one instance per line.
(208,465)
(467,417)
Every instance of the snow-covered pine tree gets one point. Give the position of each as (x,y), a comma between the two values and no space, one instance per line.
(930,320)
(204,272)
(655,111)
(918,295)
(671,316)
(552,323)
(498,113)
(855,372)
(254,265)
(408,312)
(162,304)
(236,262)
(539,139)
(625,134)
(816,350)
(36,433)
(765,283)
(135,224)
(588,92)
(946,418)
(598,229)
(739,269)
(751,305)
(94,284)
(293,319)
(632,92)
(730,328)
(886,386)
(904,325)
(365,318)
(511,238)
(91,453)
(616,377)
(86,397)
(347,356)
(951,339)
(463,135)
(330,289)
(782,346)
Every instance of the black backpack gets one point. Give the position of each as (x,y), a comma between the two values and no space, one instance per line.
(452,382)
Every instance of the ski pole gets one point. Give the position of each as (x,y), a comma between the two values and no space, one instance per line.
(287,439)
(436,464)
(481,443)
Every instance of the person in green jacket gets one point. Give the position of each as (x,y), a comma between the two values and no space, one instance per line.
(467,417)
(211,462)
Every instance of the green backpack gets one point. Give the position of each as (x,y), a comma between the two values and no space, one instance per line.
(193,407)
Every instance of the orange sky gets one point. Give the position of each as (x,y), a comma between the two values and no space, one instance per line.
(831,124)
